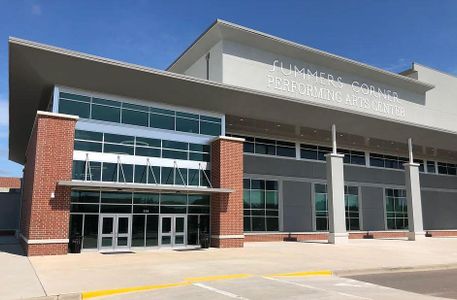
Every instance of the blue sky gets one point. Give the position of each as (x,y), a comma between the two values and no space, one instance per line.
(389,34)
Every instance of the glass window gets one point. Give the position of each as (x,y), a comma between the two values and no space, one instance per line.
(167,175)
(88,135)
(351,199)
(78,170)
(109,172)
(74,108)
(134,117)
(75,97)
(116,197)
(106,113)
(149,152)
(260,201)
(198,200)
(85,197)
(187,125)
(174,154)
(396,209)
(118,149)
(125,173)
(194,177)
(146,142)
(175,145)
(162,121)
(431,168)
(210,128)
(88,146)
(173,199)
(147,174)
(145,198)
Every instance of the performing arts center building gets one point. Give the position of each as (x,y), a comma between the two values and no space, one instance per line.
(245,137)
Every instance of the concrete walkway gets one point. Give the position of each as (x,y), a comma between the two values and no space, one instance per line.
(95,271)
(17,277)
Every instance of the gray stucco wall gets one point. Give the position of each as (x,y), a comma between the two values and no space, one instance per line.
(9,210)
(297,206)
(439,206)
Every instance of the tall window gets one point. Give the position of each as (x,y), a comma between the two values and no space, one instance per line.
(396,209)
(260,198)
(351,199)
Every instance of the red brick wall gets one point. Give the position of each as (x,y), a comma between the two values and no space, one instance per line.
(48,159)
(10,182)
(227,208)
(323,236)
(441,233)
(286,237)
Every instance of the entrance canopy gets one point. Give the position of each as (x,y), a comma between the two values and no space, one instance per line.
(138,187)
(35,68)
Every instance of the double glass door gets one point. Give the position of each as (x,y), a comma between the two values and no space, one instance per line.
(172,230)
(115,232)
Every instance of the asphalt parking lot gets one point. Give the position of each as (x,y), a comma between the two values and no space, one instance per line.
(285,287)
(438,283)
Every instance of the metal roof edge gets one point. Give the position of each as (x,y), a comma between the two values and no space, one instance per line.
(426,85)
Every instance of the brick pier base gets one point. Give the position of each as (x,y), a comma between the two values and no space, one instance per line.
(227,208)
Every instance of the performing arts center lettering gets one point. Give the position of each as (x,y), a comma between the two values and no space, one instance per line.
(302,81)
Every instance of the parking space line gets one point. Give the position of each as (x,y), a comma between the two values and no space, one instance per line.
(222,292)
(315,288)
(217,277)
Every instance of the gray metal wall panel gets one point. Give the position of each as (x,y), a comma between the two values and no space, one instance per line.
(297,206)
(439,210)
(9,210)
(373,208)
(438,181)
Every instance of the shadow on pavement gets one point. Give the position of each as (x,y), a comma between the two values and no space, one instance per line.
(9,244)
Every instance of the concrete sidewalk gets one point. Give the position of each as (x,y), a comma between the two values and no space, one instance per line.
(95,271)
(17,277)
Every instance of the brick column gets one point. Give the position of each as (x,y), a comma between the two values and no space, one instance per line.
(227,208)
(46,206)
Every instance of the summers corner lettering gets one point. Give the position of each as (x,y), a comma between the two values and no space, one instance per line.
(325,86)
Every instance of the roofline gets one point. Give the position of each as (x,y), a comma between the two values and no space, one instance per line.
(434,69)
(302,47)
(194,43)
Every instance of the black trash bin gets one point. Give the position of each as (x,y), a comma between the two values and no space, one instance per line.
(75,244)
(204,240)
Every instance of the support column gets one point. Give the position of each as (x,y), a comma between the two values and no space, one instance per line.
(335,195)
(45,207)
(413,197)
(227,208)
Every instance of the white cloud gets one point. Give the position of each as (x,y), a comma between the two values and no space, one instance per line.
(36,10)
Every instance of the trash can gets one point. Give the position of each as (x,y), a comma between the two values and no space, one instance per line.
(204,240)
(75,244)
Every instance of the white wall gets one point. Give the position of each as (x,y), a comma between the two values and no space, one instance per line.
(252,68)
(198,69)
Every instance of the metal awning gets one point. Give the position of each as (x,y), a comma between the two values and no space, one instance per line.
(142,187)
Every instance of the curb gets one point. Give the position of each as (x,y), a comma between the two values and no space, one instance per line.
(420,268)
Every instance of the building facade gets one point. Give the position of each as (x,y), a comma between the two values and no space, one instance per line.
(245,137)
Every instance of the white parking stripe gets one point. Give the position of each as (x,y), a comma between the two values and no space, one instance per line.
(316,288)
(225,293)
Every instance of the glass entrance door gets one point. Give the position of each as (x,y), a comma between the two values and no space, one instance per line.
(173,229)
(115,232)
